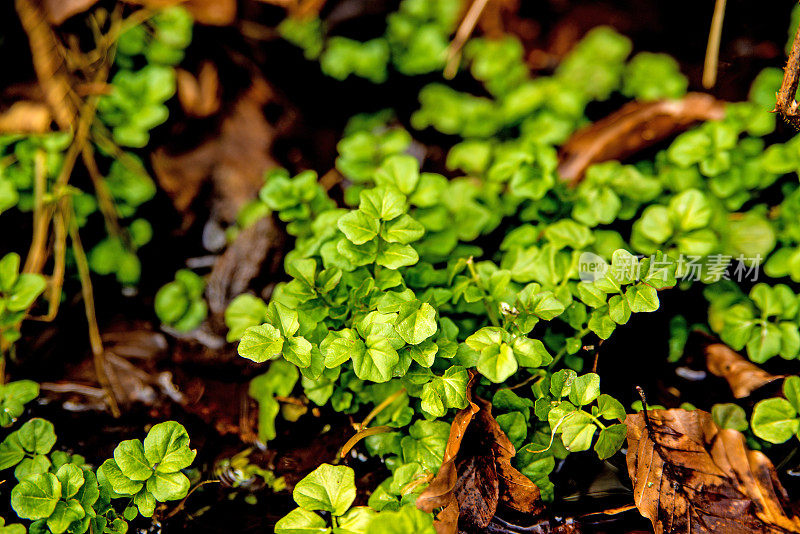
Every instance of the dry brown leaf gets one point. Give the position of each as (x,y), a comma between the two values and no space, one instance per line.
(199,96)
(25,117)
(48,62)
(689,476)
(60,10)
(476,474)
(635,126)
(743,376)
(235,159)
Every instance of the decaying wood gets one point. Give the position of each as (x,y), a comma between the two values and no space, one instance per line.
(743,376)
(635,126)
(58,11)
(691,477)
(786,104)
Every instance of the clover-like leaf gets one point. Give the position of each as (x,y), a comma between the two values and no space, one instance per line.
(359,227)
(775,420)
(261,343)
(328,488)
(36,496)
(166,447)
(416,322)
(301,521)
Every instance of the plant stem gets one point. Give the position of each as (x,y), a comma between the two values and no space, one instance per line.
(380,407)
(490,311)
(712,50)
(88,303)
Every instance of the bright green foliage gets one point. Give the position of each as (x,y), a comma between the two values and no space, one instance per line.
(776,420)
(304,33)
(18,292)
(136,103)
(13,528)
(180,303)
(765,323)
(13,397)
(343,57)
(60,492)
(729,415)
(651,76)
(280,380)
(150,472)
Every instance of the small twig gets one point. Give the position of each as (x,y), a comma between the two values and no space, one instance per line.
(91,317)
(180,505)
(462,34)
(786,104)
(712,50)
(644,411)
(380,407)
(361,434)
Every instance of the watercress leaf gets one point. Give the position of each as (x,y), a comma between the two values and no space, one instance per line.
(261,343)
(764,343)
(11,451)
(285,319)
(169,486)
(790,340)
(9,271)
(338,347)
(642,298)
(577,432)
(400,171)
(618,309)
(610,408)
(375,363)
(385,203)
(515,427)
(355,521)
(610,440)
(27,288)
(403,229)
(145,502)
(64,514)
(690,210)
(359,227)
(729,415)
(585,389)
(38,463)
(425,444)
(601,323)
(791,390)
(416,321)
(497,362)
(243,312)
(37,436)
(530,352)
(486,337)
(71,478)
(561,382)
(121,484)
(36,496)
(406,520)
(591,295)
(300,521)
(297,350)
(775,420)
(454,381)
(329,488)
(432,399)
(166,447)
(396,255)
(130,459)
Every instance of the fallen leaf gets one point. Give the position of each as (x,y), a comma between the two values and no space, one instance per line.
(199,96)
(743,376)
(58,11)
(476,474)
(690,476)
(635,126)
(478,492)
(25,117)
(235,159)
